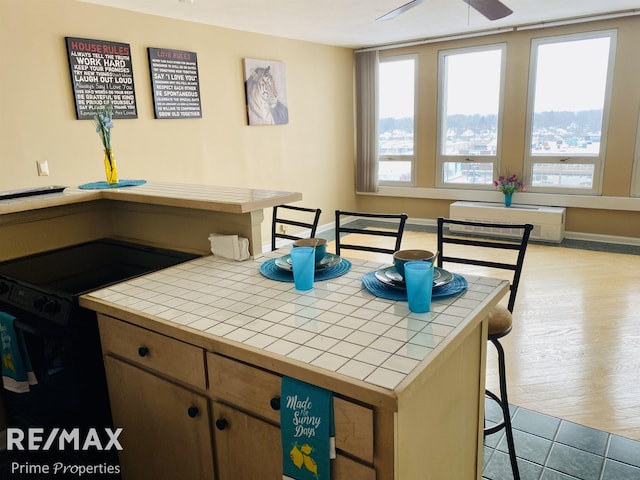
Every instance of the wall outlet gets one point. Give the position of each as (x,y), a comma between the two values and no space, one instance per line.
(283,229)
(43,168)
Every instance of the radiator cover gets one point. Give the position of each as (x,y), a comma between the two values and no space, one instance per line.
(548,222)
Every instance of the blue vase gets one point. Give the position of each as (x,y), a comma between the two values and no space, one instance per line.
(507,199)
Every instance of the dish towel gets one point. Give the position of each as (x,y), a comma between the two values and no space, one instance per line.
(229,246)
(307,428)
(17,373)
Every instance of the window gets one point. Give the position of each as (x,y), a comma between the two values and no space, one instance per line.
(570,84)
(471,85)
(396,113)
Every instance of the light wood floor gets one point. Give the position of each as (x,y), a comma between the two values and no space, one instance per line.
(574,351)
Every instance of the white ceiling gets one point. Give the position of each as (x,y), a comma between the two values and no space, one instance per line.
(351,23)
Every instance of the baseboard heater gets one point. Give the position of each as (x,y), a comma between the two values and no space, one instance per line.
(548,222)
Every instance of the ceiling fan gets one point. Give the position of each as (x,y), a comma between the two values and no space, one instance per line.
(492,9)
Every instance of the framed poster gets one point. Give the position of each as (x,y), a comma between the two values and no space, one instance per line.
(266,92)
(175,83)
(101,72)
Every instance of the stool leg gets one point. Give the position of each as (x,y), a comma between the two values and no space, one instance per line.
(504,403)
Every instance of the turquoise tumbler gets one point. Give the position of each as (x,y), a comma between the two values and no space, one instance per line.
(418,277)
(304,266)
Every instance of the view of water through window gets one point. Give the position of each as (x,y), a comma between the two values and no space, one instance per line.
(566,112)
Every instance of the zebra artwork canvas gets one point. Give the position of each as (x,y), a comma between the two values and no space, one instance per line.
(266,92)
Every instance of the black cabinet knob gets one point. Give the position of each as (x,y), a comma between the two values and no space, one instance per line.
(275,403)
(221,424)
(193,412)
(143,351)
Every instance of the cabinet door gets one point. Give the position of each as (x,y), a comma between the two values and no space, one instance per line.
(166,428)
(249,448)
(246,448)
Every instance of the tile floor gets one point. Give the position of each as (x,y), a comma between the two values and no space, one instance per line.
(550,448)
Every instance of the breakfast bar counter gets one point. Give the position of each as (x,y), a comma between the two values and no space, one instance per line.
(213,338)
(168,215)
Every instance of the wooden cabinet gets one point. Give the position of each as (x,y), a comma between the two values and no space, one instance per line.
(166,427)
(248,443)
(173,429)
(195,408)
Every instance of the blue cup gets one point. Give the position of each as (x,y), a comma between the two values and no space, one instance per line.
(418,277)
(304,266)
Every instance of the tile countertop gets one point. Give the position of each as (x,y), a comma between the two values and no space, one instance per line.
(338,326)
(203,197)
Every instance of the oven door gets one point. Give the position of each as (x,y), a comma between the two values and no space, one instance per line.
(67,361)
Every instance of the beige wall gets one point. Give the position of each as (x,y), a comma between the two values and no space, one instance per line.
(625,105)
(313,154)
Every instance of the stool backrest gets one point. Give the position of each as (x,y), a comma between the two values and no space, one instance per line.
(296,216)
(475,234)
(373,224)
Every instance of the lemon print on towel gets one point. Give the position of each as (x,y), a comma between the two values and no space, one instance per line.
(301,456)
(8,362)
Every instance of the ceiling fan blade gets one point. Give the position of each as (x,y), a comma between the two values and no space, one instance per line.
(399,10)
(492,9)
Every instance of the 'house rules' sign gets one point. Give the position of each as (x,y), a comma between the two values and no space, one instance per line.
(101,72)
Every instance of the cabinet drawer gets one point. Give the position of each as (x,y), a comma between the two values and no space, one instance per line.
(143,347)
(255,391)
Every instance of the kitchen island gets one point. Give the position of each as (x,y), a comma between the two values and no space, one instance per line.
(194,355)
(166,215)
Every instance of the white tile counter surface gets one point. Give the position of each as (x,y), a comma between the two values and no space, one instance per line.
(205,197)
(338,325)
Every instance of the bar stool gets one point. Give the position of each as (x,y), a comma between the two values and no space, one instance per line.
(278,218)
(500,320)
(392,227)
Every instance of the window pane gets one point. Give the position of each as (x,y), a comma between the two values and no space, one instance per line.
(396,107)
(467,172)
(562,175)
(471,103)
(570,86)
(394,171)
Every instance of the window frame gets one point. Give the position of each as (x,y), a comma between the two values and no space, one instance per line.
(598,161)
(402,158)
(442,158)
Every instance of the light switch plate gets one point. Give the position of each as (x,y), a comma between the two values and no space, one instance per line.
(43,168)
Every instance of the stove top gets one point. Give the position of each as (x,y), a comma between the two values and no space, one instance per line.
(30,192)
(48,284)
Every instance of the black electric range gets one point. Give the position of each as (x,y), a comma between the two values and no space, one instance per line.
(41,291)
